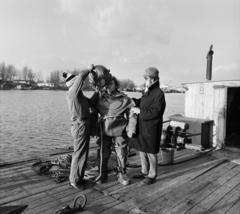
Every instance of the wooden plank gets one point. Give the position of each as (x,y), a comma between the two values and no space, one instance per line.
(54,197)
(14,176)
(118,190)
(11,172)
(7,160)
(226,202)
(21,178)
(235,208)
(38,209)
(135,211)
(21,160)
(97,204)
(149,197)
(106,188)
(131,191)
(66,151)
(48,200)
(216,196)
(22,182)
(193,171)
(102,204)
(22,175)
(91,195)
(31,199)
(52,202)
(177,155)
(120,208)
(15,166)
(219,113)
(171,172)
(27,190)
(202,186)
(18,176)
(55,200)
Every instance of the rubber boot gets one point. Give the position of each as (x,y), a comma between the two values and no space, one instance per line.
(123,179)
(103,178)
(104,175)
(121,162)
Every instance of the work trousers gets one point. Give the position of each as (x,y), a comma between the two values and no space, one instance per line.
(119,145)
(149,164)
(81,136)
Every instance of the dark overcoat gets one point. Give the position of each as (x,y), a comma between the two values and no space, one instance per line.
(152,106)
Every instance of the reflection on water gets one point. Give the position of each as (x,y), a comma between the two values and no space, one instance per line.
(33,121)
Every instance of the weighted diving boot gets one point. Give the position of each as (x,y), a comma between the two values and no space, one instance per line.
(123,179)
(103,178)
(103,167)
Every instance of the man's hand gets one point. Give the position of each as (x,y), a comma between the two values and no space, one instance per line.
(90,67)
(135,110)
(129,134)
(97,89)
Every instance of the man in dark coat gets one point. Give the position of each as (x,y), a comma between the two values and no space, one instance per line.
(150,108)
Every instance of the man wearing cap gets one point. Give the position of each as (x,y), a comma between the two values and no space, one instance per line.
(150,107)
(78,106)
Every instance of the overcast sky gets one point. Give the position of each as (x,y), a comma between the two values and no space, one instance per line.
(126,36)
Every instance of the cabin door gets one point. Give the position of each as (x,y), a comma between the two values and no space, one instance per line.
(219,115)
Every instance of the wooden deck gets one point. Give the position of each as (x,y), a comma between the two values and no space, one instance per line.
(194,184)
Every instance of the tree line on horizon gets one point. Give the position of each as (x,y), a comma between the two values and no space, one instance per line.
(9,73)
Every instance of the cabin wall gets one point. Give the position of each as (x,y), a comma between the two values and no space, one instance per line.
(200,99)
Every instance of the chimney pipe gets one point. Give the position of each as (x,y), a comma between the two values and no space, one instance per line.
(209,63)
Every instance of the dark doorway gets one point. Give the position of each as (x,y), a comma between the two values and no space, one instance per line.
(233,117)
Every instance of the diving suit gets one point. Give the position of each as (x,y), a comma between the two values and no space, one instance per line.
(115,121)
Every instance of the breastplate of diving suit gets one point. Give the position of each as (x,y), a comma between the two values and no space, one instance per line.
(112,110)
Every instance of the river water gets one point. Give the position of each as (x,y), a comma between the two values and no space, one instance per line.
(32,121)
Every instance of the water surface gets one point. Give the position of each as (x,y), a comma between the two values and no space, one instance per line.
(33,121)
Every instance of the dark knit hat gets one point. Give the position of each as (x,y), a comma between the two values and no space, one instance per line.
(69,78)
(151,72)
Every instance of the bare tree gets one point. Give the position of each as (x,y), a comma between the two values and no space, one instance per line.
(55,77)
(25,72)
(30,74)
(15,74)
(127,84)
(39,76)
(19,74)
(10,72)
(3,71)
(75,71)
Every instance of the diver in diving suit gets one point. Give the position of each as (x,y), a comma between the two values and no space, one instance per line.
(117,124)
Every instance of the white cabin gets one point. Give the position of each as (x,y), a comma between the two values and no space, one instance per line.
(218,101)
